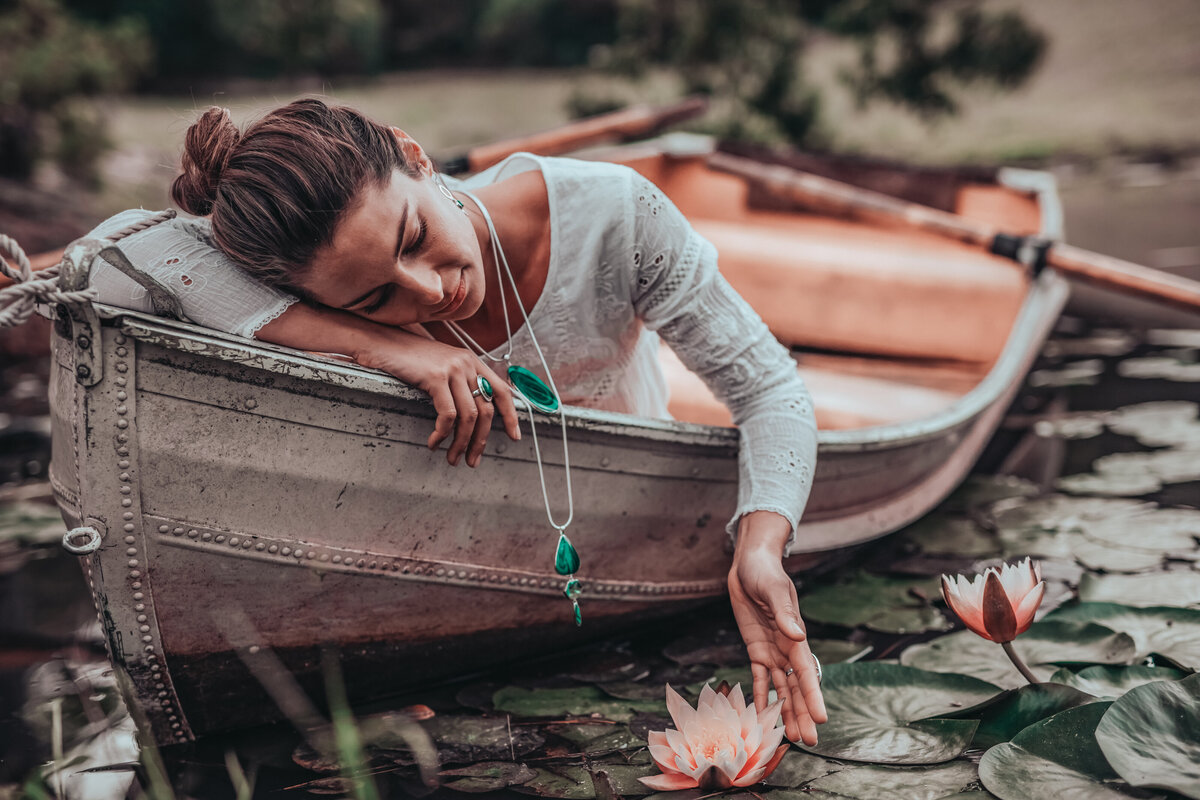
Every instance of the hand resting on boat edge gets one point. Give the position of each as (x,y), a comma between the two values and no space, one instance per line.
(328,232)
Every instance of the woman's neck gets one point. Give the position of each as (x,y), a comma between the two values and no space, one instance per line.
(519,209)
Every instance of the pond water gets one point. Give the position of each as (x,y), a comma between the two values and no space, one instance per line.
(1095,472)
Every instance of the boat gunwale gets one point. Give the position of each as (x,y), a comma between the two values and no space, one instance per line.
(1041,298)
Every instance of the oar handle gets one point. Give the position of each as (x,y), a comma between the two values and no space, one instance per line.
(634,122)
(834,198)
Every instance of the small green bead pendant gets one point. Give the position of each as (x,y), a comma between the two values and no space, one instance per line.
(571,591)
(566,560)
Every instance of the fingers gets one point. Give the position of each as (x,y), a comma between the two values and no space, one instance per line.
(784,608)
(809,682)
(806,728)
(791,721)
(762,685)
(447,413)
(468,414)
(503,400)
(483,426)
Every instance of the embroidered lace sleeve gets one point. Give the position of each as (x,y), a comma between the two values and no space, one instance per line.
(213,290)
(679,292)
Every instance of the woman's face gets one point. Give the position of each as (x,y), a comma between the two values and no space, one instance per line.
(403,254)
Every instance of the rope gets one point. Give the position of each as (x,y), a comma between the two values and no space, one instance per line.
(17,301)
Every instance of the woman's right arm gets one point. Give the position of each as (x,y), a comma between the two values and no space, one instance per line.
(445,372)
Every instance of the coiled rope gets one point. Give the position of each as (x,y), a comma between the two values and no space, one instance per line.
(17,301)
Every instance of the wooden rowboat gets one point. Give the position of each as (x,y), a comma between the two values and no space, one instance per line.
(247,500)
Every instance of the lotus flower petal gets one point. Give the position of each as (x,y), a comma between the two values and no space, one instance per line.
(669,782)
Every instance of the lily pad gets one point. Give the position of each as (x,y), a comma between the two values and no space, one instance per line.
(466,739)
(1042,647)
(870,781)
(1167,423)
(1110,343)
(1003,717)
(1076,426)
(883,714)
(1055,512)
(1168,466)
(566,782)
(33,523)
(1161,367)
(1151,736)
(578,700)
(1166,630)
(798,768)
(1109,484)
(960,536)
(1112,682)
(983,490)
(1173,531)
(1055,759)
(722,648)
(881,603)
(486,776)
(595,738)
(1075,373)
(837,651)
(1179,587)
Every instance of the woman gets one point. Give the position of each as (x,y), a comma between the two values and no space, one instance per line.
(402,273)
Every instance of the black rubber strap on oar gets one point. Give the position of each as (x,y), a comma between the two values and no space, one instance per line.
(1029,251)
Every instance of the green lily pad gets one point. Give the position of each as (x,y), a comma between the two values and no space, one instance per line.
(1179,587)
(1109,484)
(1166,630)
(1100,555)
(1057,758)
(595,738)
(1075,373)
(1173,531)
(871,782)
(837,651)
(1003,717)
(1057,511)
(465,739)
(1168,466)
(1086,425)
(631,690)
(1160,367)
(798,768)
(1101,342)
(34,523)
(960,536)
(883,714)
(1044,646)
(564,781)
(984,490)
(486,776)
(1112,682)
(721,647)
(1160,424)
(1151,736)
(624,777)
(577,700)
(881,603)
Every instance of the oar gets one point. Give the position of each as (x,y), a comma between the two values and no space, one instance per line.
(826,196)
(635,122)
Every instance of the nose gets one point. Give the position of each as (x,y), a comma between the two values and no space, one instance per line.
(424,282)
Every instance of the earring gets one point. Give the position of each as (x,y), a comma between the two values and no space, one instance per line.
(446,192)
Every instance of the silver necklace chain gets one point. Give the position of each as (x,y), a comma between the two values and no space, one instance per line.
(474,347)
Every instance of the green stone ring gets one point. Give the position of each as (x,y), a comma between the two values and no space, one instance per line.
(484,390)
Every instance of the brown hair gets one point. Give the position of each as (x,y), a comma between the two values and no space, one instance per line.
(277,191)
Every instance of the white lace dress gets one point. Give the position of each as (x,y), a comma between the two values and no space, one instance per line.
(625,269)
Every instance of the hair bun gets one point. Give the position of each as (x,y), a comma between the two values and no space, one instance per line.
(207,148)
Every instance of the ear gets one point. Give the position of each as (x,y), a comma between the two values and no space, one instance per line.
(413,152)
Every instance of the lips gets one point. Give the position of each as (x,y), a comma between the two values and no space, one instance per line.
(460,294)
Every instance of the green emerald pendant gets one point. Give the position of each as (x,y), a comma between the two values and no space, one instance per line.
(571,591)
(566,560)
(533,389)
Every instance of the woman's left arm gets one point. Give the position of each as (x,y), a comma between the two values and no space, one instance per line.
(718,336)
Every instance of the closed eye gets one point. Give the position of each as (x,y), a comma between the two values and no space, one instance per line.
(420,240)
(385,294)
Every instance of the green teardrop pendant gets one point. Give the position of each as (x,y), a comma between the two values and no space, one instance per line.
(578,614)
(533,389)
(566,560)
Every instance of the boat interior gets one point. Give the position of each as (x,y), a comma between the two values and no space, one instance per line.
(887,324)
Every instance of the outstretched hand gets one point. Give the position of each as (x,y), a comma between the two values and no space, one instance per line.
(767,613)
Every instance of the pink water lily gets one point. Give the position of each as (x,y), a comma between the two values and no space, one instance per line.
(999,604)
(720,743)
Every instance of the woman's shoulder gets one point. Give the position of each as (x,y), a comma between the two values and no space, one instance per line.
(198,228)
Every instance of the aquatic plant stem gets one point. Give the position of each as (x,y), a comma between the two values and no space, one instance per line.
(1019,664)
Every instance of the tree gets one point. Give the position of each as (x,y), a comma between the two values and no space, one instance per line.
(746,54)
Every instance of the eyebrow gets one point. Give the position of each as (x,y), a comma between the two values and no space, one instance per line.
(396,255)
